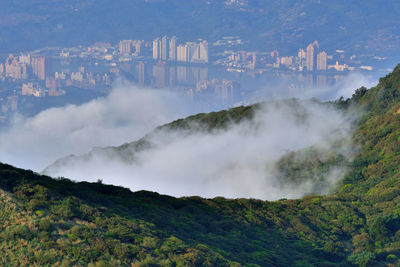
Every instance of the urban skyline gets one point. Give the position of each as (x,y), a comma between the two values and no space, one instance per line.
(160,63)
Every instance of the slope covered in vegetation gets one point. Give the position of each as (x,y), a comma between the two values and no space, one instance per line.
(47,221)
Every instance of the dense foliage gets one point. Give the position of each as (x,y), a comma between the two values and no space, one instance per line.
(48,221)
(44,220)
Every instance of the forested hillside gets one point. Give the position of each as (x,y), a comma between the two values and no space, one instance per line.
(48,221)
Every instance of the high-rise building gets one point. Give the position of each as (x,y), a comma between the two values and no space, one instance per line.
(182,53)
(172,49)
(164,48)
(198,52)
(315,44)
(321,61)
(25,59)
(125,47)
(310,57)
(203,56)
(156,49)
(194,52)
(39,66)
(138,45)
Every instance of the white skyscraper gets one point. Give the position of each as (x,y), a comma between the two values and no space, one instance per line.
(156,49)
(310,57)
(172,49)
(321,61)
(203,47)
(194,52)
(182,53)
(164,48)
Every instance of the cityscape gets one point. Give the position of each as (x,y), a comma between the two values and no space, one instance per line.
(199,133)
(204,73)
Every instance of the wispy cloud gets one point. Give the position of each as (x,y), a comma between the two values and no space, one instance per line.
(236,162)
(124,115)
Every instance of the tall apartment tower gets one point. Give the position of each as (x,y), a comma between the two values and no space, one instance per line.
(156,49)
(164,48)
(137,44)
(182,53)
(194,52)
(310,57)
(39,67)
(321,60)
(25,59)
(125,47)
(172,49)
(203,57)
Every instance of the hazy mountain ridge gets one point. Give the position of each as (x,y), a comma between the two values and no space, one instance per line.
(269,25)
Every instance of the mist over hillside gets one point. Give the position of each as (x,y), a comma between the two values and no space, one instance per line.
(242,159)
(127,113)
(176,158)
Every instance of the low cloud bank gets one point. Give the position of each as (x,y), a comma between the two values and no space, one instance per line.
(287,88)
(244,160)
(240,161)
(126,114)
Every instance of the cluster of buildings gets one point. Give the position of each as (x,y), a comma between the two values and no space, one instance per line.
(310,59)
(160,63)
(27,67)
(38,79)
(81,79)
(164,49)
(132,47)
(24,66)
(167,49)
(48,73)
(315,59)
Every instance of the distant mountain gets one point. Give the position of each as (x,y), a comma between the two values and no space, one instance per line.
(370,27)
(47,221)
